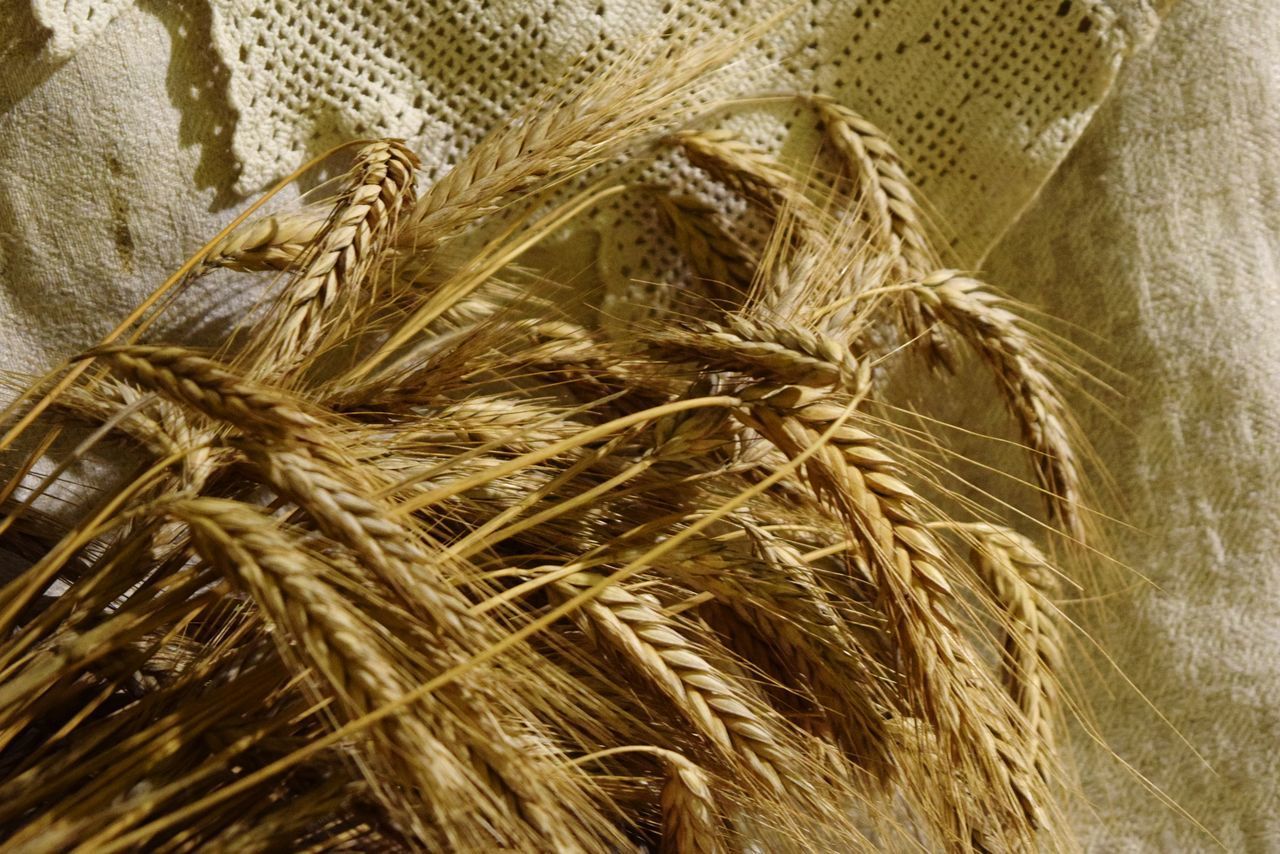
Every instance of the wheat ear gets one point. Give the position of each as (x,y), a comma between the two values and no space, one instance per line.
(347,515)
(898,219)
(785,352)
(706,696)
(1022,371)
(210,388)
(752,172)
(472,782)
(274,242)
(715,253)
(778,598)
(691,822)
(564,136)
(379,187)
(946,683)
(1024,583)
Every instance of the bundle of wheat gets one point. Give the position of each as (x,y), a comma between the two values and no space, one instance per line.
(414,560)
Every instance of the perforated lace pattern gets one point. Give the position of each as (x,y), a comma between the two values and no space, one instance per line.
(983,97)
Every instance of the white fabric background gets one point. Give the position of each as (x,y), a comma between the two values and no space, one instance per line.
(123,142)
(1161,236)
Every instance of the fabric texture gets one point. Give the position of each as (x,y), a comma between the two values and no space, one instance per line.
(1160,236)
(985,97)
(74,23)
(126,142)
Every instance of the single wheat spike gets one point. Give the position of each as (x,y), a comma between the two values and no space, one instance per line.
(897,219)
(209,387)
(274,242)
(568,133)
(1022,371)
(879,175)
(288,461)
(945,680)
(705,695)
(1024,583)
(715,253)
(512,159)
(693,433)
(690,820)
(379,187)
(508,422)
(779,599)
(101,401)
(345,513)
(785,352)
(752,172)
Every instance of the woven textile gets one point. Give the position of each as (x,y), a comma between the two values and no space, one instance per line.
(1161,236)
(960,84)
(983,96)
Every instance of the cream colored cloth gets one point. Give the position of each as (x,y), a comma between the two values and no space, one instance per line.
(1160,236)
(124,143)
(98,155)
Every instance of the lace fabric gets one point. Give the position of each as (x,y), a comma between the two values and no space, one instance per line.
(983,97)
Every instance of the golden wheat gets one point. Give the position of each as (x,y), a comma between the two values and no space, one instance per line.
(425,556)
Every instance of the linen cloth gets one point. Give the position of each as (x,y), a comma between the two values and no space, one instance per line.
(128,129)
(126,141)
(1160,236)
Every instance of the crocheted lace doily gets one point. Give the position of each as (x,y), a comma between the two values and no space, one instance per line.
(983,97)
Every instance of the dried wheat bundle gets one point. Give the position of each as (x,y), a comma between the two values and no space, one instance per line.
(415,560)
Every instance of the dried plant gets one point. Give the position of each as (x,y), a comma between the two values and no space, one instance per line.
(415,560)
